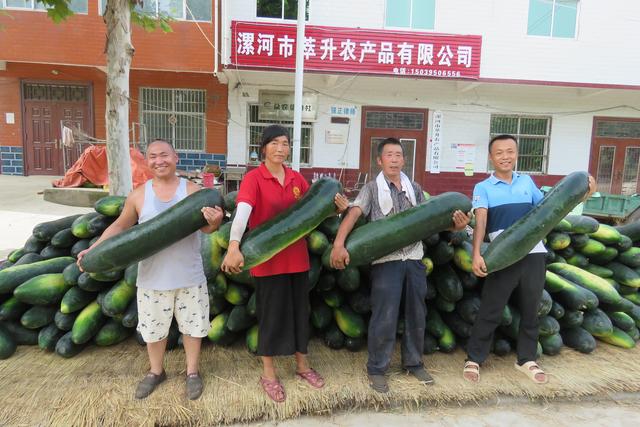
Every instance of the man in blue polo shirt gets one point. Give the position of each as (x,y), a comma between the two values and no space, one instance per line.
(498,202)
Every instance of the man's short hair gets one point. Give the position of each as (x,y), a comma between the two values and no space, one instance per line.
(155,140)
(389,141)
(501,137)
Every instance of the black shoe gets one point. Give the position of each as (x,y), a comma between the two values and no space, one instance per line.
(194,386)
(421,375)
(149,383)
(379,383)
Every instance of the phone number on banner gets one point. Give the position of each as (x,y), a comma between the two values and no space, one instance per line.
(426,72)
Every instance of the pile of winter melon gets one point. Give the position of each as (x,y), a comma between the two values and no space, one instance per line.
(591,291)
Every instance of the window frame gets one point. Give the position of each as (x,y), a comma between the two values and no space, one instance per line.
(283,19)
(148,134)
(551,36)
(286,124)
(3,6)
(545,151)
(614,121)
(101,6)
(410,28)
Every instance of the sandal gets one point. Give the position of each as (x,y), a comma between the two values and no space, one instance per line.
(274,389)
(149,383)
(312,377)
(194,386)
(378,383)
(531,369)
(471,368)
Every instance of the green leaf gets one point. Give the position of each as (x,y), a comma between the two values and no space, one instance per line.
(150,21)
(57,10)
(166,27)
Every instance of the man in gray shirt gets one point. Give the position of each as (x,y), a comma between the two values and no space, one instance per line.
(395,277)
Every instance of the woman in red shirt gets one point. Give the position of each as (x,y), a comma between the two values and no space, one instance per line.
(282,283)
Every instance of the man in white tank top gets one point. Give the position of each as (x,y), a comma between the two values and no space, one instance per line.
(171,282)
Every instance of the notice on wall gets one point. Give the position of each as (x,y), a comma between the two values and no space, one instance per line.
(10,118)
(334,136)
(436,142)
(465,157)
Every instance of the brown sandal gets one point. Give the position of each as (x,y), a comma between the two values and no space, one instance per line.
(312,377)
(531,369)
(471,368)
(274,389)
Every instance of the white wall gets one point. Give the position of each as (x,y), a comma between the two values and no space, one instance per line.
(467,111)
(604,51)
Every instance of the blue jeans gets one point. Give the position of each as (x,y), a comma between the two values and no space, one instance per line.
(392,283)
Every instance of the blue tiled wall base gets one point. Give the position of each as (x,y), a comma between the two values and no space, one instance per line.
(191,161)
(12,160)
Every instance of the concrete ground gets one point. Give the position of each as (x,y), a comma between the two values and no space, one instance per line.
(22,207)
(606,413)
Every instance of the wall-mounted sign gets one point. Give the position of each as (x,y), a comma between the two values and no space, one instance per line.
(278,106)
(357,50)
(436,142)
(343,110)
(333,136)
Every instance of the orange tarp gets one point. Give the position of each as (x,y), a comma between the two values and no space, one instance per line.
(92,167)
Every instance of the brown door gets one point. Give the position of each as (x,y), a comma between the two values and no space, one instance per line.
(47,107)
(406,124)
(615,155)
(73,115)
(43,154)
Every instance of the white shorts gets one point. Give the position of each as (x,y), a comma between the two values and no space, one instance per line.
(157,308)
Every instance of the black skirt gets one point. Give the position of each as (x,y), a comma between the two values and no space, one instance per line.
(282,308)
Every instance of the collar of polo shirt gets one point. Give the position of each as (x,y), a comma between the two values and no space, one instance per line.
(494,179)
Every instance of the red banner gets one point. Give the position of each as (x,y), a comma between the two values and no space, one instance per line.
(354,50)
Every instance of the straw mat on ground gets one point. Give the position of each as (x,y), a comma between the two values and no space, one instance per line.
(96,387)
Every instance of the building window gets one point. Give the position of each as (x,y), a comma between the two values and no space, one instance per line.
(394,120)
(553,18)
(176,115)
(532,134)
(187,10)
(55,93)
(77,6)
(279,9)
(417,14)
(255,132)
(617,129)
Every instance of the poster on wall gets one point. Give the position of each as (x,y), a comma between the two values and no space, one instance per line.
(436,142)
(465,156)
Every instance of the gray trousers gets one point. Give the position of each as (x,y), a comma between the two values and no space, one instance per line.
(391,283)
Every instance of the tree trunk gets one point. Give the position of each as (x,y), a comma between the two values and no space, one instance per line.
(119,53)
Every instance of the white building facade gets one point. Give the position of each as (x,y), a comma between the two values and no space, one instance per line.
(442,76)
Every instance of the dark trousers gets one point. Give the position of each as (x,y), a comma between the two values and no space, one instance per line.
(391,283)
(526,278)
(282,309)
